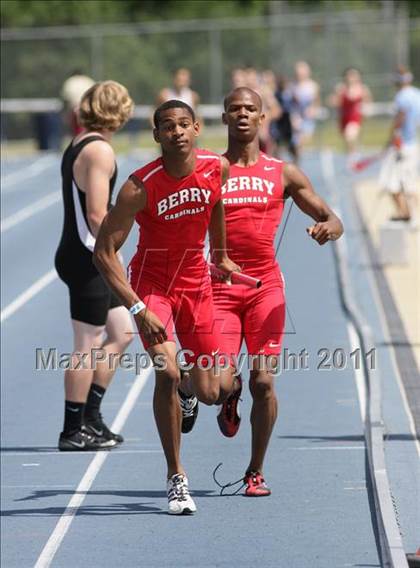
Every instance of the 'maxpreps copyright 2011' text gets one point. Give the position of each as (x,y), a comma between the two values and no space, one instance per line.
(325,359)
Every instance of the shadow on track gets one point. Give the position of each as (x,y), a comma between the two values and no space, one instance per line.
(111,509)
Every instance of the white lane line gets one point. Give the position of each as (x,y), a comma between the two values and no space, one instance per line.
(32,291)
(315,449)
(5,455)
(61,528)
(48,486)
(30,210)
(45,486)
(327,167)
(9,181)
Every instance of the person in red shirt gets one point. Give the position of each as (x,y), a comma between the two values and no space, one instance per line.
(253,198)
(175,200)
(348,98)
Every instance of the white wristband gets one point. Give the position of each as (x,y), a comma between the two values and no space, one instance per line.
(137,308)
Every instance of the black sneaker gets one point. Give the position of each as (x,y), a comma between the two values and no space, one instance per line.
(79,441)
(189,408)
(100,430)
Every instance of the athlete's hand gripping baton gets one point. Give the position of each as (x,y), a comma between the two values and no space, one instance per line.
(235,277)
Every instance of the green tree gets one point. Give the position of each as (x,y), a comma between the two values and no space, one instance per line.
(30,13)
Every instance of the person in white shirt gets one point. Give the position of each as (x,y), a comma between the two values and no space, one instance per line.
(400,171)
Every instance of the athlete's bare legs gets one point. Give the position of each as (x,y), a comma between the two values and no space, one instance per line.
(263,416)
(186,384)
(166,405)
(401,205)
(228,385)
(206,385)
(119,334)
(351,135)
(167,411)
(78,379)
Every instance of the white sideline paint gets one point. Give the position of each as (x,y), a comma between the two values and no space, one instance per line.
(30,210)
(32,291)
(327,166)
(387,336)
(63,525)
(9,181)
(390,541)
(358,373)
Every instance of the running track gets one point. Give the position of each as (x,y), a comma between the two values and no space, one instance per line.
(109,509)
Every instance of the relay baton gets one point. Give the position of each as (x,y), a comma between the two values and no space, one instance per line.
(235,277)
(364,163)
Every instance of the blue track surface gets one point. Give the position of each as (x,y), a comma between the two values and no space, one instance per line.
(319,514)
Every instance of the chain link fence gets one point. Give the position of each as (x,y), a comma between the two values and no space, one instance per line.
(143,56)
(36,61)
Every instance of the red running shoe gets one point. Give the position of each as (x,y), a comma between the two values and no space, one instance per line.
(256,485)
(229,418)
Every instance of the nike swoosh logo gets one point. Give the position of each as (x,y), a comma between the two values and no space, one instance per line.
(267,169)
(273,344)
(213,353)
(97,432)
(98,394)
(77,444)
(206,175)
(73,409)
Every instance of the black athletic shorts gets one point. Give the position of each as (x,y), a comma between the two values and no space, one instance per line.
(91,301)
(90,297)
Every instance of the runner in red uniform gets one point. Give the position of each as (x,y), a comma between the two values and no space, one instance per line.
(350,110)
(348,98)
(169,271)
(174,199)
(253,198)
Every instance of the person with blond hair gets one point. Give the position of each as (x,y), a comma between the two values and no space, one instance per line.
(98,318)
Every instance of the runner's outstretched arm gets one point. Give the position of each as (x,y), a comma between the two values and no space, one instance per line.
(112,235)
(328,226)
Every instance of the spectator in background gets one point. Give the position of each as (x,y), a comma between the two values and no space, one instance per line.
(264,84)
(281,129)
(238,78)
(71,93)
(48,130)
(180,91)
(306,102)
(400,171)
(348,98)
